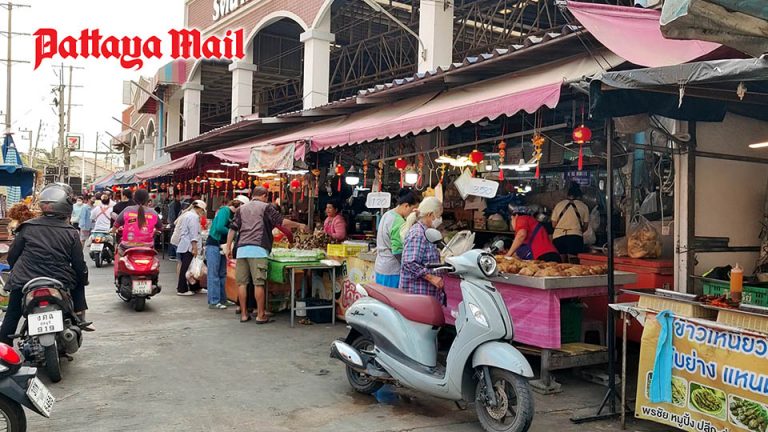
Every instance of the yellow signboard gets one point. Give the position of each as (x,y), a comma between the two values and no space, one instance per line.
(719,378)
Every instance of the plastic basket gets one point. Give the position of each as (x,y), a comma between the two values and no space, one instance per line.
(571,315)
(755,295)
(714,287)
(345,250)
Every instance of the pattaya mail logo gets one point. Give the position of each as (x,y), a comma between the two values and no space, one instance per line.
(132,51)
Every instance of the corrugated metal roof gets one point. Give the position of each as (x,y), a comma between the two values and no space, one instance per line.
(548,47)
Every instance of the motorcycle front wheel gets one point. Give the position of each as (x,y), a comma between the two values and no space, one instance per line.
(12,417)
(52,363)
(514,407)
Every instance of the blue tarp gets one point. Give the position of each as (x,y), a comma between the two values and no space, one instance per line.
(23,177)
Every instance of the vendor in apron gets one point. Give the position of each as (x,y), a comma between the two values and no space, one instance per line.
(570,219)
(531,239)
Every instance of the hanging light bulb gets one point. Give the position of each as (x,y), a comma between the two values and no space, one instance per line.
(353,176)
(411,177)
(522,166)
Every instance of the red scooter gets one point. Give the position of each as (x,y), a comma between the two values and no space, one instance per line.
(136,276)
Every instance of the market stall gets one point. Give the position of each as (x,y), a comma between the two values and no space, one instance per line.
(710,367)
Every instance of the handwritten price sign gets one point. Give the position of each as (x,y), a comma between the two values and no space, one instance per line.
(378,200)
(482,188)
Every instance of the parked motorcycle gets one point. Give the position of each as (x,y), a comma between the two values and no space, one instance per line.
(51,329)
(393,339)
(20,387)
(102,248)
(136,276)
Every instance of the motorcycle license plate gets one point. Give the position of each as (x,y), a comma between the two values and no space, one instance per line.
(142,287)
(97,247)
(46,322)
(40,396)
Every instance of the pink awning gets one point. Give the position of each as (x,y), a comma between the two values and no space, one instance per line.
(163,166)
(507,95)
(635,34)
(241,152)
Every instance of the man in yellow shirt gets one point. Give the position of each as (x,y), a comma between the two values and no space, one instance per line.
(570,219)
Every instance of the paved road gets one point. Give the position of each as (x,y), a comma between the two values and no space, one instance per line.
(179,366)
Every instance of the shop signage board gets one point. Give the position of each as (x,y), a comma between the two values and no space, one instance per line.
(719,378)
(73,142)
(378,200)
(482,188)
(272,158)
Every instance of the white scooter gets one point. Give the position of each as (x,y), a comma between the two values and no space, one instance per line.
(393,339)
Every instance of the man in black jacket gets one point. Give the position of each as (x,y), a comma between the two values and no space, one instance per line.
(46,246)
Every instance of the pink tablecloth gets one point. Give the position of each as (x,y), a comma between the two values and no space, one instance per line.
(535,312)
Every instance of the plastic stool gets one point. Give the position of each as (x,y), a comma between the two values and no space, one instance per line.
(593,326)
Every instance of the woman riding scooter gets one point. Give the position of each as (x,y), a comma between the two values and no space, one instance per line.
(46,246)
(139,223)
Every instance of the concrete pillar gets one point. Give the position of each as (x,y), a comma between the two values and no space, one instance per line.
(242,89)
(173,109)
(317,63)
(138,160)
(192,93)
(436,32)
(149,150)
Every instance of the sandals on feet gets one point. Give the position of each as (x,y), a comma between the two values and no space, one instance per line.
(245,320)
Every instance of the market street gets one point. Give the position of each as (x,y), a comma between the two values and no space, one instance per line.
(179,366)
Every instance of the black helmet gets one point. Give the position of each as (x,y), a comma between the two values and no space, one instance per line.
(56,200)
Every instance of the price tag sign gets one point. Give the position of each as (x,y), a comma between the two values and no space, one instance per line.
(482,188)
(378,200)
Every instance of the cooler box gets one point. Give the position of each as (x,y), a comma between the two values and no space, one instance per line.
(651,274)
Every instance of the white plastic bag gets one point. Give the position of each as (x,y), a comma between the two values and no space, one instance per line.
(590,237)
(196,269)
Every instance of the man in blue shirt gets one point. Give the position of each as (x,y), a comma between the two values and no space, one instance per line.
(85,224)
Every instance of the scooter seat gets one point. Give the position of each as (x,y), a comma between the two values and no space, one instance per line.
(418,308)
(42,282)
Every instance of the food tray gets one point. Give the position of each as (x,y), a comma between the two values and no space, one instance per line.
(562,282)
(296,255)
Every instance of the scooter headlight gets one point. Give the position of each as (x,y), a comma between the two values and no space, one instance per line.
(487,264)
(478,315)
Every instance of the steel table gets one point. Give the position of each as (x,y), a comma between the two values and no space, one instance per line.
(309,266)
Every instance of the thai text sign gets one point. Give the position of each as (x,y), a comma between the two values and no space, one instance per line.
(272,158)
(719,378)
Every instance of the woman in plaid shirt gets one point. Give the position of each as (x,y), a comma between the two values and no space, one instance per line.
(415,278)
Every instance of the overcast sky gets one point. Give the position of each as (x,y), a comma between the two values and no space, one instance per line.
(100,98)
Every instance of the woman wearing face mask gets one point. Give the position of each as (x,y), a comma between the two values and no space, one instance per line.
(389,244)
(415,278)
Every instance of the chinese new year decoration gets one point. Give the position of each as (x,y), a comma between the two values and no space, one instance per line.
(365,172)
(339,173)
(401,165)
(502,155)
(476,157)
(295,185)
(538,143)
(316,174)
(421,171)
(581,135)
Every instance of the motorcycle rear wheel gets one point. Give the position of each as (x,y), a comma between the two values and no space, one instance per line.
(12,416)
(139,303)
(52,363)
(513,394)
(362,383)
(98,260)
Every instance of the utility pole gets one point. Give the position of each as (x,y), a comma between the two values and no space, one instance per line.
(69,101)
(9,61)
(96,156)
(62,144)
(37,140)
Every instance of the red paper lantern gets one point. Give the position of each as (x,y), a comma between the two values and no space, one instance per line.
(476,156)
(197,179)
(339,172)
(582,134)
(265,185)
(295,184)
(114,189)
(241,184)
(401,164)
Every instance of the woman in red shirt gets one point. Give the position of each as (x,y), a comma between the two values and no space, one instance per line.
(528,231)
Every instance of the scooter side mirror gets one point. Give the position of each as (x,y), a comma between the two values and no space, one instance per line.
(497,246)
(434,236)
